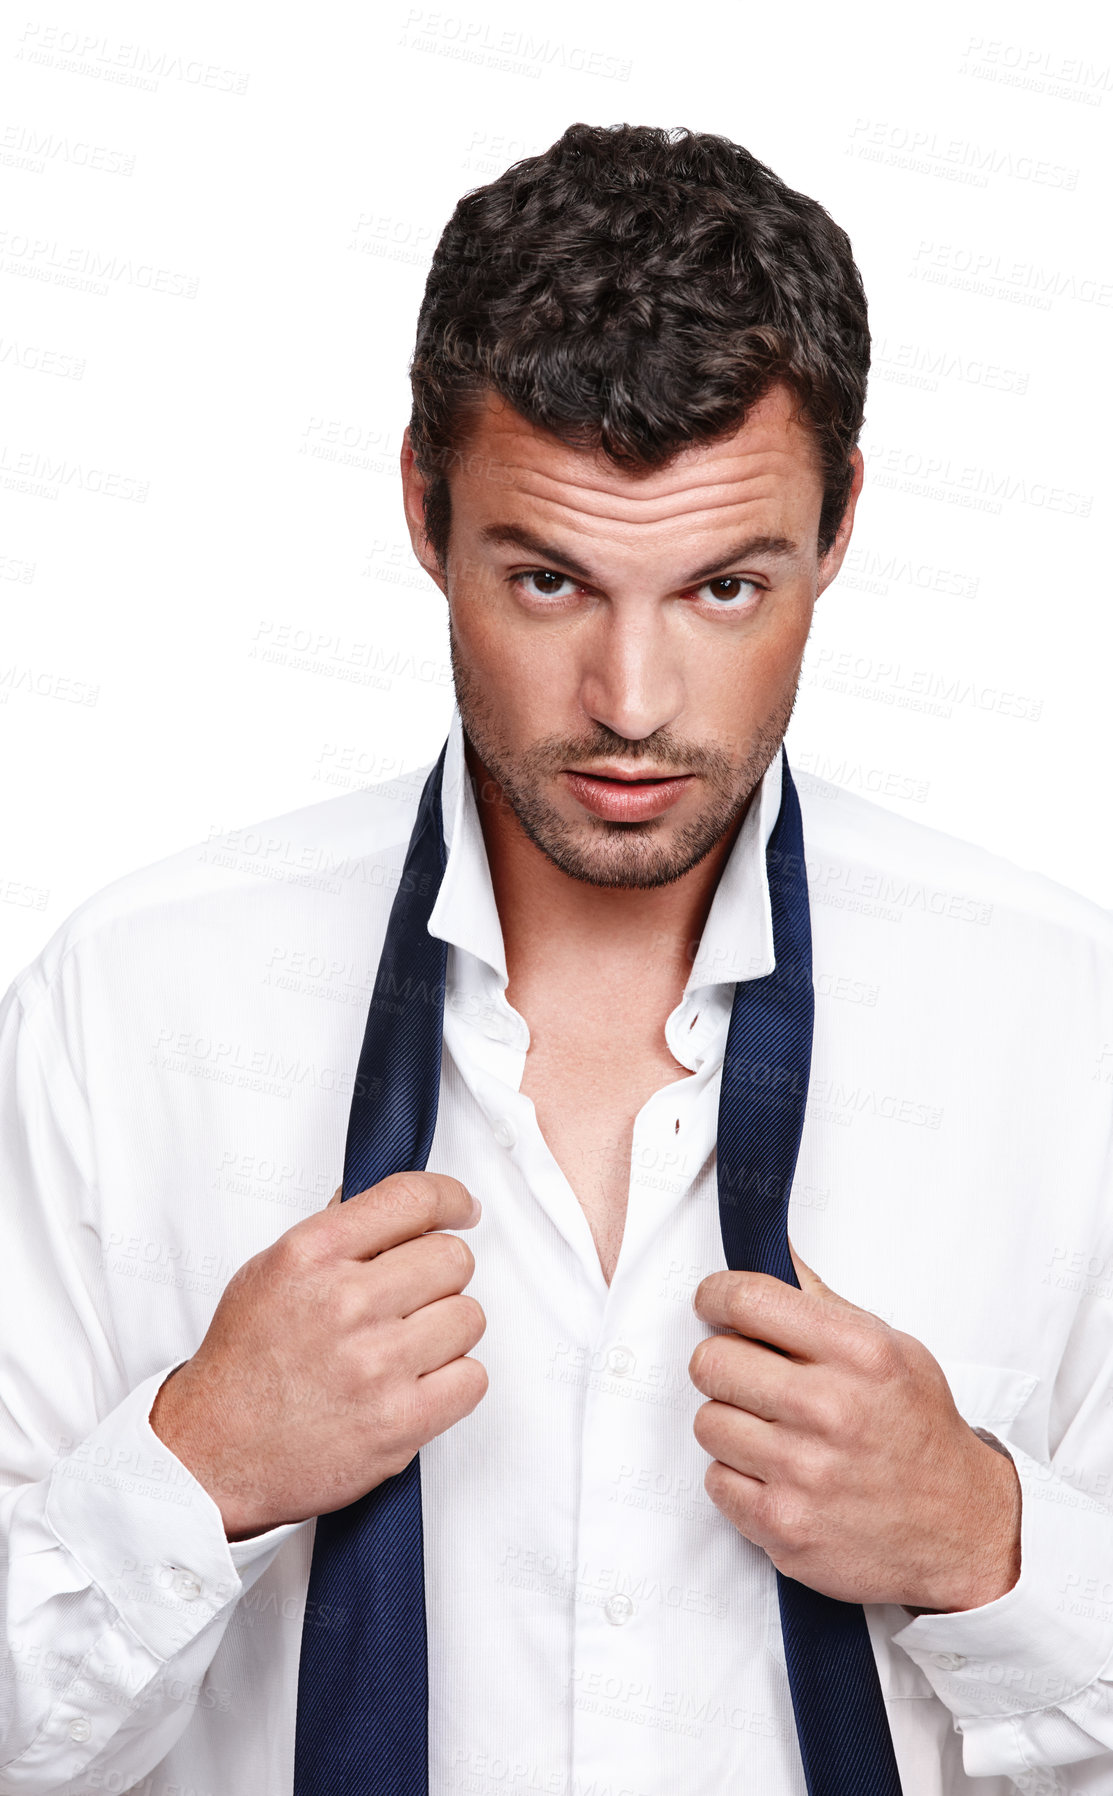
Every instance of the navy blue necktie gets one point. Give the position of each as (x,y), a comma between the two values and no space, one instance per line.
(362,1720)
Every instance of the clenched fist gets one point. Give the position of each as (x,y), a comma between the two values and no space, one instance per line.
(332,1357)
(836,1446)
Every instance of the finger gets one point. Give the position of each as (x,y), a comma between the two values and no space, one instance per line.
(766,1309)
(335,1198)
(449,1394)
(417,1273)
(741,1441)
(749,1376)
(440,1332)
(744,1501)
(812,1284)
(398,1208)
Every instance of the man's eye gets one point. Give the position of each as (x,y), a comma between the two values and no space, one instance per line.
(545,584)
(729,591)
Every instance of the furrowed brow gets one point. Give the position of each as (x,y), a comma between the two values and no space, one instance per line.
(548,554)
(767,548)
(511,536)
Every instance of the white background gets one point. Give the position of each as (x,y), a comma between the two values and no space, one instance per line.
(216,228)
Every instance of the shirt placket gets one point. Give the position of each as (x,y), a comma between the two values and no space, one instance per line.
(638,1400)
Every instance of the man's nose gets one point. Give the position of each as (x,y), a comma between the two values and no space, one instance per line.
(631,679)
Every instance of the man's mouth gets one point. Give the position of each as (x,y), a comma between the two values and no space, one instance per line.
(620,797)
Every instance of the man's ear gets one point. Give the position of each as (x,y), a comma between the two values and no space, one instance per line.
(830,563)
(413,499)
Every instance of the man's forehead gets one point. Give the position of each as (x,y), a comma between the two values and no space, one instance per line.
(770,460)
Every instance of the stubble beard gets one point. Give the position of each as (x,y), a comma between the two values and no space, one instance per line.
(617,855)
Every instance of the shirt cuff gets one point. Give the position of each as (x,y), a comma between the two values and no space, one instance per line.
(146,1532)
(1041,1644)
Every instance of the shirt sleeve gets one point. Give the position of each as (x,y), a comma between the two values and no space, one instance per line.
(116,1579)
(1029,1678)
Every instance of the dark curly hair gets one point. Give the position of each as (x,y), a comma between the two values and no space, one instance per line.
(636,290)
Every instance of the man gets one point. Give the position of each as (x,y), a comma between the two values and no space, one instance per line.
(632,470)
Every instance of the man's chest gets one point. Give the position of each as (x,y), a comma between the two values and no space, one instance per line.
(933,1184)
(587,1089)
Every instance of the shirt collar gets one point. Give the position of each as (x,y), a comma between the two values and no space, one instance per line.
(737,940)
(465,914)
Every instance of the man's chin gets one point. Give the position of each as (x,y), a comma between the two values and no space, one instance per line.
(623,857)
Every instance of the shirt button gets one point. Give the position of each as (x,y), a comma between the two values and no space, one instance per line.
(187,1586)
(504,1132)
(948,1661)
(79,1729)
(620,1361)
(617,1609)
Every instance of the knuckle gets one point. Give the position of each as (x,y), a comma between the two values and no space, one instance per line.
(299,1251)
(788,1518)
(447,1195)
(474,1381)
(347,1306)
(707,1291)
(717,1482)
(815,1468)
(459,1261)
(394,1413)
(376,1360)
(243,1279)
(730,1291)
(697,1365)
(708,1364)
(474,1317)
(875,1353)
(705,1426)
(832,1415)
(395,1460)
(406,1193)
(753,1297)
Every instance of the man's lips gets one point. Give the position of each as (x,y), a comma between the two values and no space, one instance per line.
(626,798)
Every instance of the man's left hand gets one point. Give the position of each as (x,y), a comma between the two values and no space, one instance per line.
(837,1447)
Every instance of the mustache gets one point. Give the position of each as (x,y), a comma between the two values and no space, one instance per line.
(662,748)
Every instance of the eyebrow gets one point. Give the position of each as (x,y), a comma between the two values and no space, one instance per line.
(514,536)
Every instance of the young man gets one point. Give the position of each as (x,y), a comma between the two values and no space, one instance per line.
(686,1526)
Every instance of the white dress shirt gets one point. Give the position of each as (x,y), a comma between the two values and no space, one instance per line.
(175,1078)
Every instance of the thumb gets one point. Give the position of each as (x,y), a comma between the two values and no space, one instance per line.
(811,1283)
(335,1198)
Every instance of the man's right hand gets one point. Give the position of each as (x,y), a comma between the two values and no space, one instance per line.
(332,1357)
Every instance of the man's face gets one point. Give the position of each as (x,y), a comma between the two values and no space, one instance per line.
(626,648)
